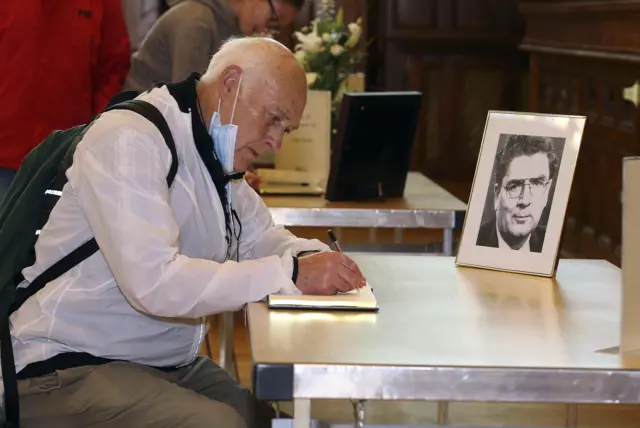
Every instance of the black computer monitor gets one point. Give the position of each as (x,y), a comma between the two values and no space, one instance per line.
(372,151)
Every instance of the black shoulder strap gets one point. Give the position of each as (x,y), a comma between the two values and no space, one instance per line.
(77,256)
(152,114)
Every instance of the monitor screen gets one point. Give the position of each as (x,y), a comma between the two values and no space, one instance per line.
(372,151)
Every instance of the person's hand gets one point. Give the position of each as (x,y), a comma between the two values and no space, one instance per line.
(253,179)
(328,273)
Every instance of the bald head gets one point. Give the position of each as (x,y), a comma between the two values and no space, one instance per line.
(271,90)
(265,63)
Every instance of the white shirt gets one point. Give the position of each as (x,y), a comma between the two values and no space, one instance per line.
(161,264)
(502,244)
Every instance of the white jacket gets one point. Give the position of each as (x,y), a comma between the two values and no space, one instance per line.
(161,264)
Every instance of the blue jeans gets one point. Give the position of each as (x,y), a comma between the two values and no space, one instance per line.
(6,177)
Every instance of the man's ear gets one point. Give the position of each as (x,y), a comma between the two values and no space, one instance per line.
(496,193)
(229,81)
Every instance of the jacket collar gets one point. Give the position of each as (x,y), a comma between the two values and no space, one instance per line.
(186,96)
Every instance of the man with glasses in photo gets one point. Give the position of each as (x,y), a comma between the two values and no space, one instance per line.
(184,38)
(524,172)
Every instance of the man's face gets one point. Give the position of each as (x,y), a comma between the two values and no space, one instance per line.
(263,117)
(265,16)
(523,195)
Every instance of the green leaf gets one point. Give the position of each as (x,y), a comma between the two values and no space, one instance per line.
(339,17)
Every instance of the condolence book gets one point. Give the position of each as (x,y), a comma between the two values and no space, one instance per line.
(364,300)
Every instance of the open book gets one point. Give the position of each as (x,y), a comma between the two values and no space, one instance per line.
(364,300)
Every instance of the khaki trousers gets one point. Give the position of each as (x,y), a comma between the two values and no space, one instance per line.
(128,395)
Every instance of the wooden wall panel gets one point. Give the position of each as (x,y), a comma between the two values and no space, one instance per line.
(463,56)
(582,58)
(406,15)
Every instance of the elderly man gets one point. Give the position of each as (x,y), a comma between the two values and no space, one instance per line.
(167,257)
(524,173)
(191,31)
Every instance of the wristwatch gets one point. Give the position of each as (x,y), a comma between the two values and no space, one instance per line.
(300,255)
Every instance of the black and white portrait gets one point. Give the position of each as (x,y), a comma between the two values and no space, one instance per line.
(520,193)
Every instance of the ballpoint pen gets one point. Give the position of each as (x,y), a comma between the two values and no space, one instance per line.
(336,246)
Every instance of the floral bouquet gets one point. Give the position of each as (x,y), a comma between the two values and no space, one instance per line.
(327,51)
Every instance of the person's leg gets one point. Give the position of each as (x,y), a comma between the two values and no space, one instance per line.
(118,395)
(6,177)
(207,378)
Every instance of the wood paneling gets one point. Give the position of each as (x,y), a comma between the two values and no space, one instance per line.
(463,56)
(583,55)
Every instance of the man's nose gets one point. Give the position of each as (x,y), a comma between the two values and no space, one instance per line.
(275,143)
(525,197)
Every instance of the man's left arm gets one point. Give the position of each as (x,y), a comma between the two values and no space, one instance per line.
(260,236)
(113,55)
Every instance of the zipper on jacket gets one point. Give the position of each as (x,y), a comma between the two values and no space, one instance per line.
(196,350)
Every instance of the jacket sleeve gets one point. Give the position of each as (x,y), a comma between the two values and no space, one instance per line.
(191,43)
(113,56)
(119,178)
(260,236)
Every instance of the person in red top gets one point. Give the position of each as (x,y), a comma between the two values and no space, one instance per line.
(61,62)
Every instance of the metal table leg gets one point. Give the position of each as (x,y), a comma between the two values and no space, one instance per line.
(358,410)
(443,413)
(227,356)
(372,235)
(301,413)
(397,236)
(447,243)
(572,416)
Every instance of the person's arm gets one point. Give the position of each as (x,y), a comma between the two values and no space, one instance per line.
(113,57)
(192,40)
(119,177)
(260,236)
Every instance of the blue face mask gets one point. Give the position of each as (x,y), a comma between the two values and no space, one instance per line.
(224,136)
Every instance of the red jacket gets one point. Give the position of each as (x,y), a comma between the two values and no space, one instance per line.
(60,63)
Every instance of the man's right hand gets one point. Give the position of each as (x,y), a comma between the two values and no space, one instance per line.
(328,273)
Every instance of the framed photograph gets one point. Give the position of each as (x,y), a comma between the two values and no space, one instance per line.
(520,192)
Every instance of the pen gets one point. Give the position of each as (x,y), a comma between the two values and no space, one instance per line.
(334,241)
(336,246)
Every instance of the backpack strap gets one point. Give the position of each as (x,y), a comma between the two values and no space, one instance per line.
(152,114)
(77,256)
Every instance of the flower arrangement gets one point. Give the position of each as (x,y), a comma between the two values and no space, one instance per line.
(327,51)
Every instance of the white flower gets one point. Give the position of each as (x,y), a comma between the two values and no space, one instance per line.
(356,31)
(311,77)
(308,42)
(326,37)
(336,50)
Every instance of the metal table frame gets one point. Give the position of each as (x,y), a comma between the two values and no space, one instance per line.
(445,384)
(302,383)
(584,378)
(397,219)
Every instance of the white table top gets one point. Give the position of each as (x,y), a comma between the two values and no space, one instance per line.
(434,314)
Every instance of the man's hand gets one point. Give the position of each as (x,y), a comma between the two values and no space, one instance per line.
(328,273)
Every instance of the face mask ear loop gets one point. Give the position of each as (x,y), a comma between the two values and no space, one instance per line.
(233,110)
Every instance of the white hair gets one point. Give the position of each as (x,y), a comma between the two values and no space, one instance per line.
(256,56)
